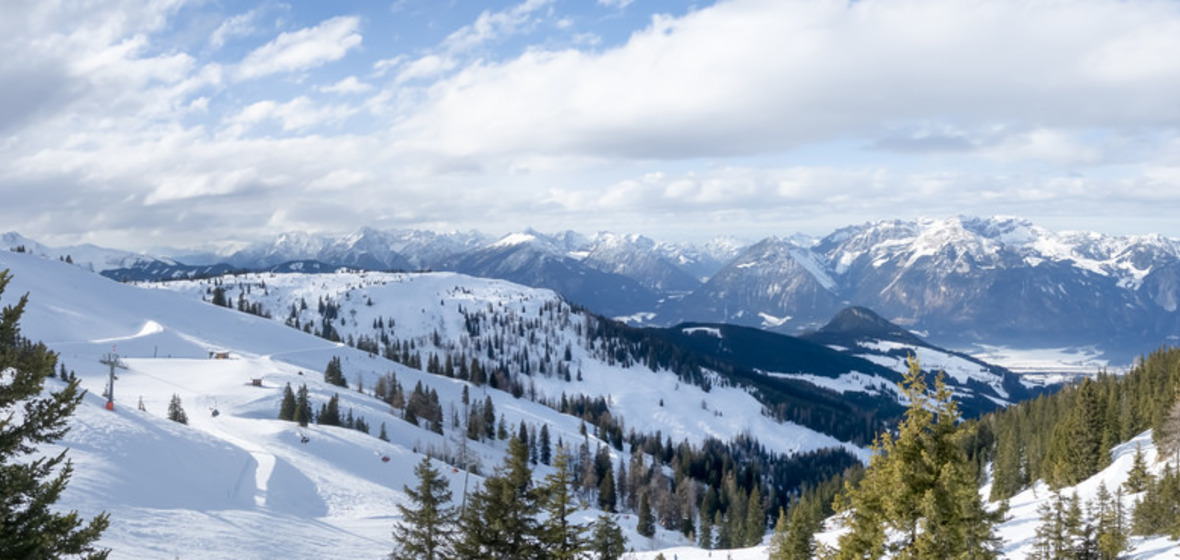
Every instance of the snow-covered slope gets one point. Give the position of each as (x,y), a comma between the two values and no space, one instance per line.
(1019,530)
(90,257)
(240,484)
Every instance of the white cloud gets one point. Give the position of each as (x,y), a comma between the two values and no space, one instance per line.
(295,115)
(428,66)
(749,77)
(746,115)
(491,26)
(303,49)
(241,25)
(346,86)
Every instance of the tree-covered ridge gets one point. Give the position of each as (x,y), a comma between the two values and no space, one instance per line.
(1067,437)
(509,343)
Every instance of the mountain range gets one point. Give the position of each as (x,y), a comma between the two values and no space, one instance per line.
(960,281)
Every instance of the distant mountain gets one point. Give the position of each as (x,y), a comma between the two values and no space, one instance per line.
(770,284)
(959,281)
(661,269)
(87,256)
(543,262)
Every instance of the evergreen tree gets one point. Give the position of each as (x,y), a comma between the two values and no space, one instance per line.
(500,521)
(1111,522)
(608,541)
(544,443)
(646,525)
(428,525)
(918,497)
(383,435)
(30,488)
(1138,477)
(330,414)
(561,539)
(755,522)
(302,406)
(806,520)
(334,373)
(176,411)
(1076,451)
(287,408)
(607,500)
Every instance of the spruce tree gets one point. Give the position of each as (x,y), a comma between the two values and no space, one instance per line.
(796,540)
(500,520)
(559,537)
(1138,477)
(428,525)
(755,522)
(607,540)
(287,407)
(302,406)
(176,411)
(30,484)
(646,525)
(334,373)
(918,497)
(1111,523)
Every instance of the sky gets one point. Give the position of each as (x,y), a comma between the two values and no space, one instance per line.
(150,123)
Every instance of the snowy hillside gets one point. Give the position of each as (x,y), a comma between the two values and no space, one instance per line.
(442,313)
(241,483)
(1018,531)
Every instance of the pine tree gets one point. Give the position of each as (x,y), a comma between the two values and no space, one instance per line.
(30,488)
(287,407)
(302,406)
(806,520)
(560,538)
(428,525)
(1111,524)
(608,541)
(918,496)
(1075,451)
(544,443)
(1138,477)
(330,415)
(1050,540)
(778,541)
(646,525)
(334,373)
(500,519)
(755,523)
(176,411)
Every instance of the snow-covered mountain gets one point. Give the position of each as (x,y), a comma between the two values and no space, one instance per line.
(543,261)
(660,268)
(960,281)
(90,257)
